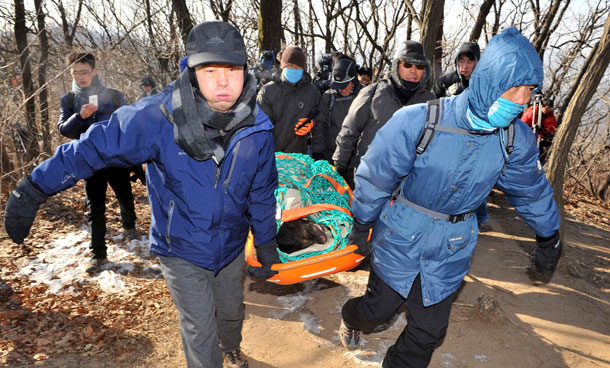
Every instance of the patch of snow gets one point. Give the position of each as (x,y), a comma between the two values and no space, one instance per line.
(64,263)
(480,358)
(450,360)
(292,303)
(311,323)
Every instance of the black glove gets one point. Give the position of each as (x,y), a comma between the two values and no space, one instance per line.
(341,171)
(317,156)
(546,257)
(137,172)
(360,236)
(21,209)
(267,255)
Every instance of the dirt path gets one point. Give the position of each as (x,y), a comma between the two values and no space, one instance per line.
(565,323)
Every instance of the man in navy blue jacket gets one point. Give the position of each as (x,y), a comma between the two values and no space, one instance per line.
(90,102)
(210,176)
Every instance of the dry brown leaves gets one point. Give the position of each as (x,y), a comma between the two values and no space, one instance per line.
(36,325)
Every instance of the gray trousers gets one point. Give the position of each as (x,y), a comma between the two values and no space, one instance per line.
(210,308)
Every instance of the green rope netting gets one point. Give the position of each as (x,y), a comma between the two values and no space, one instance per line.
(294,171)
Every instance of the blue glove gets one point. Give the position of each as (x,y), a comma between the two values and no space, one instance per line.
(267,255)
(21,209)
(360,236)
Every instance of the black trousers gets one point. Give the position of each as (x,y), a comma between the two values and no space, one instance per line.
(426,326)
(95,191)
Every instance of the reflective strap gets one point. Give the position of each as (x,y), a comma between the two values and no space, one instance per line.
(434,214)
(450,129)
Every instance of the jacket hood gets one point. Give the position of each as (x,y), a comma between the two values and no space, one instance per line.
(509,60)
(470,49)
(411,52)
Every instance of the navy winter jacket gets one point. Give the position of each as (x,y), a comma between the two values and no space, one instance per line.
(453,176)
(201,212)
(70,123)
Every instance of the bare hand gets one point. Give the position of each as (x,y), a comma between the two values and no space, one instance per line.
(87,110)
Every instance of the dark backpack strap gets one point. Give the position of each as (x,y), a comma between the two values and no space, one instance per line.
(510,138)
(432,118)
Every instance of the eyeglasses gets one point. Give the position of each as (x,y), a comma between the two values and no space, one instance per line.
(81,73)
(419,67)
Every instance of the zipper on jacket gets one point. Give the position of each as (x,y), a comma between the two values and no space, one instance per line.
(235,152)
(170,214)
(216,176)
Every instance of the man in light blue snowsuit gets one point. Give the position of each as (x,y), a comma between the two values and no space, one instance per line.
(421,206)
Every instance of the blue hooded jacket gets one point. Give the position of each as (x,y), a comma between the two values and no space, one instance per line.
(453,176)
(201,212)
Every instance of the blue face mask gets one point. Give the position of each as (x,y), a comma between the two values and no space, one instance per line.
(293,75)
(503,112)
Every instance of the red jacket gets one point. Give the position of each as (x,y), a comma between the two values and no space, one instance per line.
(548,126)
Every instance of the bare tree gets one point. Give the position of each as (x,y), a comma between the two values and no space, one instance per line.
(21,32)
(380,27)
(545,25)
(69,30)
(593,71)
(43,95)
(431,34)
(480,22)
(222,9)
(185,22)
(270,25)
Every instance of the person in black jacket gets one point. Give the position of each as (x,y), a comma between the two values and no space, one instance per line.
(291,102)
(333,107)
(454,82)
(148,86)
(375,105)
(88,103)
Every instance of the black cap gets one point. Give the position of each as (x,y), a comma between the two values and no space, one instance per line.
(343,72)
(411,52)
(470,49)
(147,80)
(215,42)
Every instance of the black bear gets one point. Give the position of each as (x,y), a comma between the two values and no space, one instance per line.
(299,234)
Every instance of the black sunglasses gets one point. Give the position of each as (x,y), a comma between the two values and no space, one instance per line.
(419,67)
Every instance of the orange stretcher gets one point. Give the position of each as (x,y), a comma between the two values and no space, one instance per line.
(315,266)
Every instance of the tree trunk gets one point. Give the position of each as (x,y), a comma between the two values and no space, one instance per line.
(431,34)
(183,16)
(270,25)
(222,10)
(480,22)
(43,95)
(596,65)
(26,74)
(69,31)
(544,31)
(603,189)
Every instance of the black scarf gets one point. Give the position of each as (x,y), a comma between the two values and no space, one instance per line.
(82,93)
(202,132)
(404,89)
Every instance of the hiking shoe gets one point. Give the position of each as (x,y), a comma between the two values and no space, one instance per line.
(485,227)
(350,338)
(235,359)
(131,234)
(95,265)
